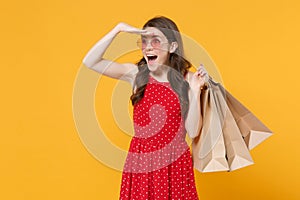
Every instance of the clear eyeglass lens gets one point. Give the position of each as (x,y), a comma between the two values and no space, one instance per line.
(142,43)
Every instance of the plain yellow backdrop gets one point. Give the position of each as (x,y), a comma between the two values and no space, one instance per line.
(255,45)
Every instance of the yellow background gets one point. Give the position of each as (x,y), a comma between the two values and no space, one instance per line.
(255,45)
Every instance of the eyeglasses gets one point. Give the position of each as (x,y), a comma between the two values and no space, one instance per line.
(155,43)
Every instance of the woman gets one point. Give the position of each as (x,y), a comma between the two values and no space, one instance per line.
(166,100)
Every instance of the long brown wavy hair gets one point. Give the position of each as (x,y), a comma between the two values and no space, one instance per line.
(179,65)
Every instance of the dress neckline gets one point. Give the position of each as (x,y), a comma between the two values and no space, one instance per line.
(157,80)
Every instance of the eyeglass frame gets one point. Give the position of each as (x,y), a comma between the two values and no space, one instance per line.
(140,43)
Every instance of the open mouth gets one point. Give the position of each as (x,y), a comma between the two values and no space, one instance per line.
(151,58)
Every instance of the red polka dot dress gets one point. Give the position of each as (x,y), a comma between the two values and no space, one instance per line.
(159,163)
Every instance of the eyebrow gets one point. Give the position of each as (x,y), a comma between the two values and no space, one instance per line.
(152,36)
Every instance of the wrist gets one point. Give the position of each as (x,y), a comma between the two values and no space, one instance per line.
(116,30)
(194,92)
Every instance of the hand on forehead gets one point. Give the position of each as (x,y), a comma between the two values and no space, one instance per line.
(153,32)
(149,34)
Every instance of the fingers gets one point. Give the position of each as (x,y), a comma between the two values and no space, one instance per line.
(146,33)
(201,71)
(141,32)
(123,27)
(137,31)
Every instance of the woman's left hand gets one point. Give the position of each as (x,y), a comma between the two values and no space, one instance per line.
(199,78)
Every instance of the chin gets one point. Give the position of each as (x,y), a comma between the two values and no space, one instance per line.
(153,67)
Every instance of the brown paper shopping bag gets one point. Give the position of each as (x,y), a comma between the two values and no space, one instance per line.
(252,129)
(208,148)
(228,132)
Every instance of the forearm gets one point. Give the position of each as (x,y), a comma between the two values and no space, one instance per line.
(96,53)
(193,121)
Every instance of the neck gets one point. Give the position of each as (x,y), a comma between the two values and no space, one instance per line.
(160,74)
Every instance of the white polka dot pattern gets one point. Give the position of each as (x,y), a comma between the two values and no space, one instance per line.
(159,163)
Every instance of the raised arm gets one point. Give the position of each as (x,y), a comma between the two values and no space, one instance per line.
(94,58)
(193,122)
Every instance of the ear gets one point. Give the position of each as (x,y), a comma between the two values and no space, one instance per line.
(173,47)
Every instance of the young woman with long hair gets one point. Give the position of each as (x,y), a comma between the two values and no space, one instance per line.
(165,98)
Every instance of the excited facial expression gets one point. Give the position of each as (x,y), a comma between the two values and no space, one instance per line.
(155,48)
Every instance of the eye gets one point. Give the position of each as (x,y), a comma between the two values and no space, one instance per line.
(156,41)
(144,41)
